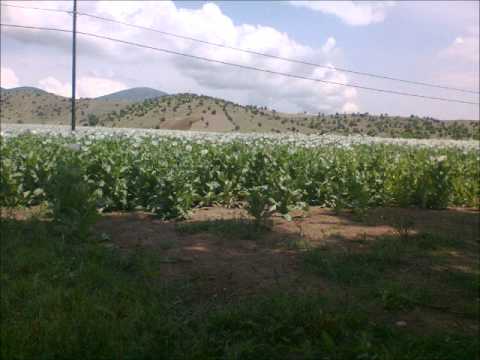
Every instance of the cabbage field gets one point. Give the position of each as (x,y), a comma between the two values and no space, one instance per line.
(169,173)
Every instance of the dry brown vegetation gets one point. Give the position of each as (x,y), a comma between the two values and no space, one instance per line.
(204,113)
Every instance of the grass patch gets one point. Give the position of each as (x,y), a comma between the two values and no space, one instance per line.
(227,228)
(382,255)
(401,273)
(83,300)
(347,266)
(467,282)
(396,295)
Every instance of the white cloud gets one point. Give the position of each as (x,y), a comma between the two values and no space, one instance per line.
(474,30)
(140,67)
(329,45)
(349,108)
(8,78)
(463,49)
(90,86)
(462,80)
(53,85)
(350,93)
(87,86)
(355,13)
(460,62)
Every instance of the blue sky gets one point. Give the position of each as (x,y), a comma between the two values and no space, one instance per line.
(435,42)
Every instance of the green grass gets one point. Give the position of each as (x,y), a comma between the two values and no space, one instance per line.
(239,228)
(383,254)
(400,274)
(83,300)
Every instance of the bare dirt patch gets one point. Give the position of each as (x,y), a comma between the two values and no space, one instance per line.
(219,266)
(224,264)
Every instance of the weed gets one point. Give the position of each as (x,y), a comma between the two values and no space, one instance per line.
(394,298)
(403,227)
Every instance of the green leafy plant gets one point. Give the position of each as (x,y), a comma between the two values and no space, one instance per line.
(394,298)
(260,206)
(71,198)
(170,176)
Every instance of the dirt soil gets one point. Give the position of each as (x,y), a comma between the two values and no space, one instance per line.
(223,266)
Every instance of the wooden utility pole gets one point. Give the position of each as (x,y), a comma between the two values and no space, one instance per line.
(74,58)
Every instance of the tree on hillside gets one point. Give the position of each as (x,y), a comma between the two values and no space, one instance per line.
(92,120)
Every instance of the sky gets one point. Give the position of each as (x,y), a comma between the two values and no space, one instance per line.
(431,42)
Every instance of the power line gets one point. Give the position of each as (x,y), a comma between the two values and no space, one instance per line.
(36,8)
(278,57)
(384,77)
(247,67)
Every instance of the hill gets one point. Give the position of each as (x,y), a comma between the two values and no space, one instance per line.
(133,94)
(24,90)
(34,106)
(204,113)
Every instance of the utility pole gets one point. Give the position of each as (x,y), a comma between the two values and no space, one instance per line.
(74,58)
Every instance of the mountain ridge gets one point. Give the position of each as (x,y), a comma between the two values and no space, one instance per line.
(204,113)
(25,89)
(133,94)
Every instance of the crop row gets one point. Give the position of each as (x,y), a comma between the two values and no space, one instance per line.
(309,141)
(171,176)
